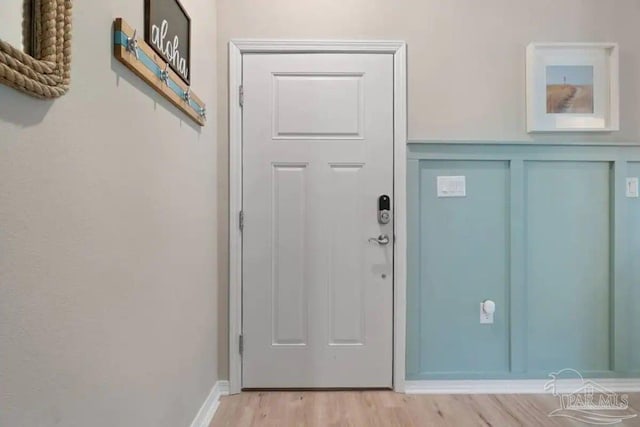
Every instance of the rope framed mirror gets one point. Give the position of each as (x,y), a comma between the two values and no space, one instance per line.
(43,67)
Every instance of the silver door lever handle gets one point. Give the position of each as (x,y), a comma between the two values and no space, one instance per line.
(382,239)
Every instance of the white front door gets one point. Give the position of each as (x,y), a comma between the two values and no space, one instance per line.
(317,293)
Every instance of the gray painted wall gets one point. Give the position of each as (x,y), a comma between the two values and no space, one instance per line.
(108,202)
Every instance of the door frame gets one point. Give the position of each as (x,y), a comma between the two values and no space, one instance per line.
(237,48)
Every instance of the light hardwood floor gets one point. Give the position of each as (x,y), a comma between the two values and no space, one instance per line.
(383,408)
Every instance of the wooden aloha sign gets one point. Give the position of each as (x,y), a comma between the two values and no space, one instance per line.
(167,29)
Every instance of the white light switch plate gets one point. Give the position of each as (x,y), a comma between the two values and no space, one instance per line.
(632,187)
(485,318)
(452,186)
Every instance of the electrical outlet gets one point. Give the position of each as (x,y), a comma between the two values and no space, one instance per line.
(486,316)
(632,188)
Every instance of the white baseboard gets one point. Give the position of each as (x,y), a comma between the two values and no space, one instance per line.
(617,385)
(209,407)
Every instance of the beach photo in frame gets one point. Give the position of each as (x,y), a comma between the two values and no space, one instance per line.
(572,87)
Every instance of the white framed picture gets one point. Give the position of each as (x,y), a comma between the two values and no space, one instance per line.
(572,87)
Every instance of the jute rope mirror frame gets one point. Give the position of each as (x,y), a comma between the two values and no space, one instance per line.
(47,73)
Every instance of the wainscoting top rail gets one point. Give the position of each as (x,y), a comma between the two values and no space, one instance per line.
(526,143)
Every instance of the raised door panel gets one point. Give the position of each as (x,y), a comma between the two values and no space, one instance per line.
(346,257)
(289,296)
(318,105)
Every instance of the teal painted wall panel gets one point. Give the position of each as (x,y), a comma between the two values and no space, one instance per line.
(547,232)
(464,259)
(633,258)
(568,265)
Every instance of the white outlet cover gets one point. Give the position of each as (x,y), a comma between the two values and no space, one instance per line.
(632,188)
(452,186)
(485,318)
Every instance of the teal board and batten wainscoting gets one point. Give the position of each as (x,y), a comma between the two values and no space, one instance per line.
(547,232)
(632,262)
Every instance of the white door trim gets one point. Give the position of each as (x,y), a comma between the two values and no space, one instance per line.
(399,51)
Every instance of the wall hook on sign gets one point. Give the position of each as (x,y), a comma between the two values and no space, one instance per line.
(164,74)
(203,113)
(154,71)
(132,44)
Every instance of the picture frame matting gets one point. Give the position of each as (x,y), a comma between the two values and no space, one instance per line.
(572,87)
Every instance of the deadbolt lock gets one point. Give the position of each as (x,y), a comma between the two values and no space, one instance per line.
(384,209)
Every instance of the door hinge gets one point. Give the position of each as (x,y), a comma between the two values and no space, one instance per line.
(241,95)
(240,344)
(241,220)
